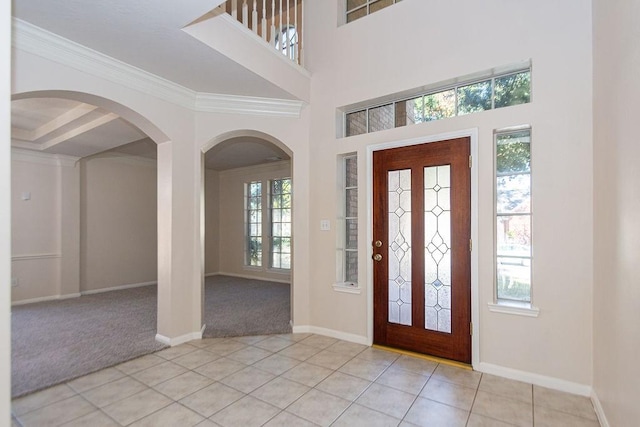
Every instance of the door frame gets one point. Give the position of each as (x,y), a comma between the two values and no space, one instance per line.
(472,134)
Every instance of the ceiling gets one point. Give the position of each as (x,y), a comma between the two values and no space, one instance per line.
(146,34)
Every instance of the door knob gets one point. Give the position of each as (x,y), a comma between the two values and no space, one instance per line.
(377,257)
(378,244)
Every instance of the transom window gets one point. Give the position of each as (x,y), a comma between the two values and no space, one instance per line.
(360,8)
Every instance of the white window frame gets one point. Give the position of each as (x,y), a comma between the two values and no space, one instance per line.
(344,285)
(366,6)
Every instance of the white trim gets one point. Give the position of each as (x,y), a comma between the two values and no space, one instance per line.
(308,329)
(181,339)
(44,299)
(32,257)
(246,276)
(117,288)
(42,158)
(234,104)
(599,409)
(211,274)
(511,309)
(472,134)
(35,40)
(347,288)
(536,379)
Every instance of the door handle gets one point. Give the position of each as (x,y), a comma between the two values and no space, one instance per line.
(378,244)
(377,257)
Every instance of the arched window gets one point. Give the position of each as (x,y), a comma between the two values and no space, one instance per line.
(287,38)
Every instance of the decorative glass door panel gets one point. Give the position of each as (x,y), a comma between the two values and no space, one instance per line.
(399,202)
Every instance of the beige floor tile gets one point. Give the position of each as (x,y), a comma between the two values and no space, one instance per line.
(208,423)
(299,351)
(319,341)
(328,359)
(112,392)
(177,351)
(503,409)
(319,407)
(309,375)
(460,376)
(403,380)
(280,392)
(276,364)
(183,385)
(137,406)
(249,355)
(96,379)
(273,344)
(246,412)
(415,365)
(211,399)
(425,412)
(505,387)
(347,348)
(37,400)
(220,368)
(57,413)
(294,337)
(378,355)
(206,342)
(248,379)
(476,420)
(139,364)
(195,359)
(360,416)
(449,394)
(251,339)
(159,373)
(226,347)
(171,416)
(342,385)
(285,419)
(387,400)
(564,402)
(545,417)
(363,369)
(93,419)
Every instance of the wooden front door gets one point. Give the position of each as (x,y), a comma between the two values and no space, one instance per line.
(421,248)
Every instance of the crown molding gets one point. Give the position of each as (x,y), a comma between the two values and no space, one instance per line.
(42,158)
(37,41)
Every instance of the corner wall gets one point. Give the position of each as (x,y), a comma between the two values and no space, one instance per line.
(616,307)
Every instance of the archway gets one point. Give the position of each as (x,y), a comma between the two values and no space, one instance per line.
(247,221)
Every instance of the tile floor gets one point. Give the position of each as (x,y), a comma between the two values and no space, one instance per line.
(295,380)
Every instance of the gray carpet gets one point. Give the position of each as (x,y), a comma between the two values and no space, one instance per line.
(56,341)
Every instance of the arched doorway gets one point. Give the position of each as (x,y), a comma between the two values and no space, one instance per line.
(248,194)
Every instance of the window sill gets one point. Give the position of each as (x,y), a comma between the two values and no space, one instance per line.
(523,309)
(347,288)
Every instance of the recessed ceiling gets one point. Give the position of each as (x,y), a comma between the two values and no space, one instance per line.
(241,152)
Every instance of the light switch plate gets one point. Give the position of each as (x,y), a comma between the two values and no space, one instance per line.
(325,225)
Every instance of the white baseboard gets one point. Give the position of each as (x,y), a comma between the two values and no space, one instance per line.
(537,379)
(247,276)
(211,274)
(117,288)
(599,409)
(181,339)
(358,339)
(42,299)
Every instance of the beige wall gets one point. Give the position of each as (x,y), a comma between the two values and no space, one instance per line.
(367,61)
(119,221)
(617,206)
(211,221)
(232,232)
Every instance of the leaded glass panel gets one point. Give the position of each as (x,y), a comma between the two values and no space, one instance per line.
(399,258)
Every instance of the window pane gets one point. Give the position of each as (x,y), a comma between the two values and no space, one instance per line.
(351,267)
(356,14)
(377,5)
(513,153)
(356,123)
(351,171)
(440,105)
(513,89)
(513,235)
(409,112)
(474,97)
(351,203)
(355,3)
(514,279)
(513,194)
(351,234)
(381,118)
(399,259)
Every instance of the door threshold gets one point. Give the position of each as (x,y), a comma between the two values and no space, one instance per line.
(448,362)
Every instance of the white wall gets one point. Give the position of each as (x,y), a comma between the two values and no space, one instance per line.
(5,214)
(231,243)
(415,43)
(617,203)
(118,203)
